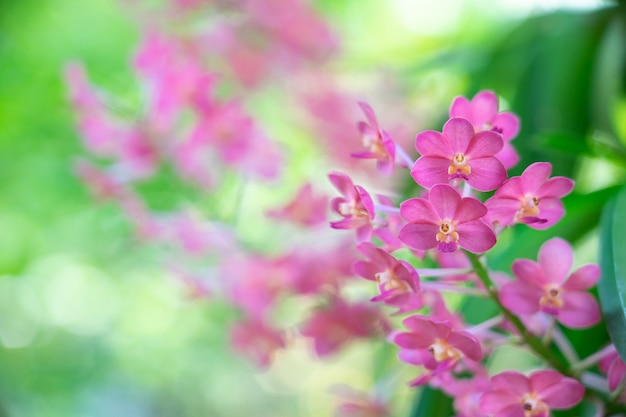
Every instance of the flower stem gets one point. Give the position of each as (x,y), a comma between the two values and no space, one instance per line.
(533,342)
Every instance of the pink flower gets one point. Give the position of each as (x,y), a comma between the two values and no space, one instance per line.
(334,325)
(356,206)
(256,340)
(305,209)
(398,281)
(435,346)
(482,113)
(381,145)
(532,198)
(359,404)
(446,221)
(547,287)
(515,395)
(613,365)
(459,153)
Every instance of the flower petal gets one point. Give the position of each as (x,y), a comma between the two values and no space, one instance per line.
(419,210)
(556,258)
(556,187)
(485,143)
(492,402)
(445,200)
(534,176)
(520,298)
(476,236)
(583,278)
(580,309)
(564,394)
(430,170)
(513,382)
(529,272)
(507,123)
(458,132)
(469,209)
(419,236)
(432,143)
(487,174)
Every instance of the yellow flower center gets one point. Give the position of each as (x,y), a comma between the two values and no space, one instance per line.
(529,207)
(442,351)
(459,167)
(551,301)
(533,406)
(388,280)
(446,232)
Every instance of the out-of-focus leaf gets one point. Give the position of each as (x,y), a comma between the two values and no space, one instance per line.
(432,403)
(612,285)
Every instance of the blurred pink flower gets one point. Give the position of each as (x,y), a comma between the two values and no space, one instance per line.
(515,395)
(256,340)
(546,286)
(354,403)
(446,221)
(355,206)
(482,113)
(381,145)
(305,209)
(338,323)
(531,198)
(459,153)
(613,365)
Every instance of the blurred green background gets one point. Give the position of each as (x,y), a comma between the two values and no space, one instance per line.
(89,323)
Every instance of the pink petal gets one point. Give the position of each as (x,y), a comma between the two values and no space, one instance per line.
(535,175)
(418,210)
(564,394)
(414,357)
(445,200)
(508,124)
(616,372)
(432,143)
(487,174)
(430,170)
(508,155)
(501,210)
(556,187)
(484,108)
(556,258)
(492,402)
(520,297)
(466,343)
(584,277)
(580,310)
(515,410)
(411,341)
(460,107)
(469,209)
(369,115)
(367,270)
(512,381)
(458,132)
(529,272)
(419,236)
(541,380)
(476,236)
(512,189)
(484,143)
(365,129)
(342,182)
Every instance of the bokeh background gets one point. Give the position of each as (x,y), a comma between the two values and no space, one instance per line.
(91,324)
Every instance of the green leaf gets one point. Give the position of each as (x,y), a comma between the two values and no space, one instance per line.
(612,285)
(432,403)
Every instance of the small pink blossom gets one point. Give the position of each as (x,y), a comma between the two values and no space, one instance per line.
(482,113)
(355,206)
(546,286)
(515,395)
(398,282)
(446,221)
(359,404)
(381,145)
(531,198)
(459,153)
(435,346)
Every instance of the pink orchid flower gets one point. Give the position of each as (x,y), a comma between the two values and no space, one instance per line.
(531,198)
(354,403)
(355,205)
(381,145)
(446,221)
(482,113)
(398,281)
(515,395)
(613,365)
(435,346)
(459,153)
(546,286)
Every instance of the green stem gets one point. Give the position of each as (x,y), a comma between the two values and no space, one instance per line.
(532,341)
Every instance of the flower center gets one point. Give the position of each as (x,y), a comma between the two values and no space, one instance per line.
(459,167)
(529,208)
(348,209)
(533,406)
(447,237)
(389,281)
(551,301)
(442,351)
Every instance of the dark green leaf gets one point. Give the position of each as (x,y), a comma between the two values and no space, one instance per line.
(612,285)
(432,403)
